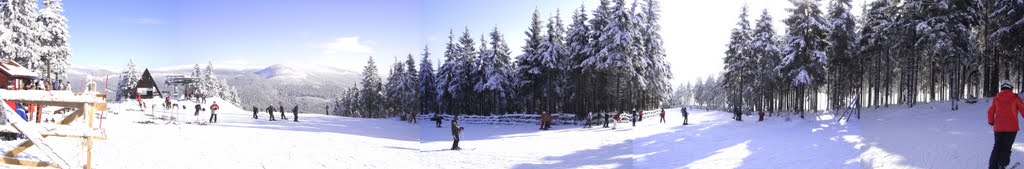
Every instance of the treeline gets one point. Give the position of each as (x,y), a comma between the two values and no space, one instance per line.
(897,53)
(612,61)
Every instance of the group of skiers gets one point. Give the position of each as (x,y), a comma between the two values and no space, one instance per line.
(270,112)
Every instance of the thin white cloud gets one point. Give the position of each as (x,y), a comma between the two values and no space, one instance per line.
(344,45)
(145,21)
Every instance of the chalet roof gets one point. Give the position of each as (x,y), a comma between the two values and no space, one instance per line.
(13,69)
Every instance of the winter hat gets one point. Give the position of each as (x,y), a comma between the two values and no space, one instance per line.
(1005,84)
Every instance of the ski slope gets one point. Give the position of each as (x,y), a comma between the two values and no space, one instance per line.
(925,136)
(238,141)
(931,136)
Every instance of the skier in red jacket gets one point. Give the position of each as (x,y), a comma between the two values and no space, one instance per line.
(1002,115)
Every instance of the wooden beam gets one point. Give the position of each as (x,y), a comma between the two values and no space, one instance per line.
(31,131)
(20,148)
(13,161)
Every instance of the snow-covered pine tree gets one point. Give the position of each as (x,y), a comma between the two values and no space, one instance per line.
(764,47)
(578,49)
(393,90)
(410,83)
(128,79)
(658,71)
(946,39)
(427,86)
(20,40)
(553,61)
(736,59)
(465,73)
(370,99)
(54,40)
(842,64)
(529,65)
(498,69)
(804,52)
(445,75)
(620,54)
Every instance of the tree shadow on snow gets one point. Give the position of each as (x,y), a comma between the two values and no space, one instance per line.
(749,144)
(617,155)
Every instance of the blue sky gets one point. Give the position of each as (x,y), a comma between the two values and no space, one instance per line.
(344,33)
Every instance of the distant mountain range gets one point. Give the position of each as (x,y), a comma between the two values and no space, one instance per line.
(311,87)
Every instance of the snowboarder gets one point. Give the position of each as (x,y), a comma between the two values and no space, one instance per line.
(662,114)
(213,112)
(270,111)
(1002,116)
(295,113)
(686,116)
(281,108)
(254,111)
(456,132)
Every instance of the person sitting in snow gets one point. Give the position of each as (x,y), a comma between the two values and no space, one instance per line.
(213,112)
(1002,116)
(456,133)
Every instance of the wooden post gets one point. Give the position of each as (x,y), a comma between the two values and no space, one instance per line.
(88,140)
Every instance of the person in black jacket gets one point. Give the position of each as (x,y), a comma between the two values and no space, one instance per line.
(295,113)
(605,119)
(254,111)
(437,118)
(456,132)
(270,111)
(281,108)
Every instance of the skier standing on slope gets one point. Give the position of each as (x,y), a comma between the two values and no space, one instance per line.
(662,114)
(618,118)
(686,116)
(295,113)
(437,118)
(633,118)
(213,112)
(605,116)
(254,111)
(543,120)
(456,133)
(270,111)
(1002,116)
(281,108)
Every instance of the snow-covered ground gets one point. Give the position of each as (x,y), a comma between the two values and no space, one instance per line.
(926,136)
(930,136)
(238,141)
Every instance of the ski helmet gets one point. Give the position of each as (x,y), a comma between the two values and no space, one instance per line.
(1006,84)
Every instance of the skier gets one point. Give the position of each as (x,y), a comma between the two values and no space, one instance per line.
(295,113)
(662,115)
(281,108)
(213,112)
(1002,116)
(254,111)
(634,117)
(413,117)
(456,132)
(198,107)
(270,111)
(590,115)
(327,110)
(641,116)
(760,116)
(605,119)
(437,118)
(618,118)
(548,124)
(686,116)
(543,120)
